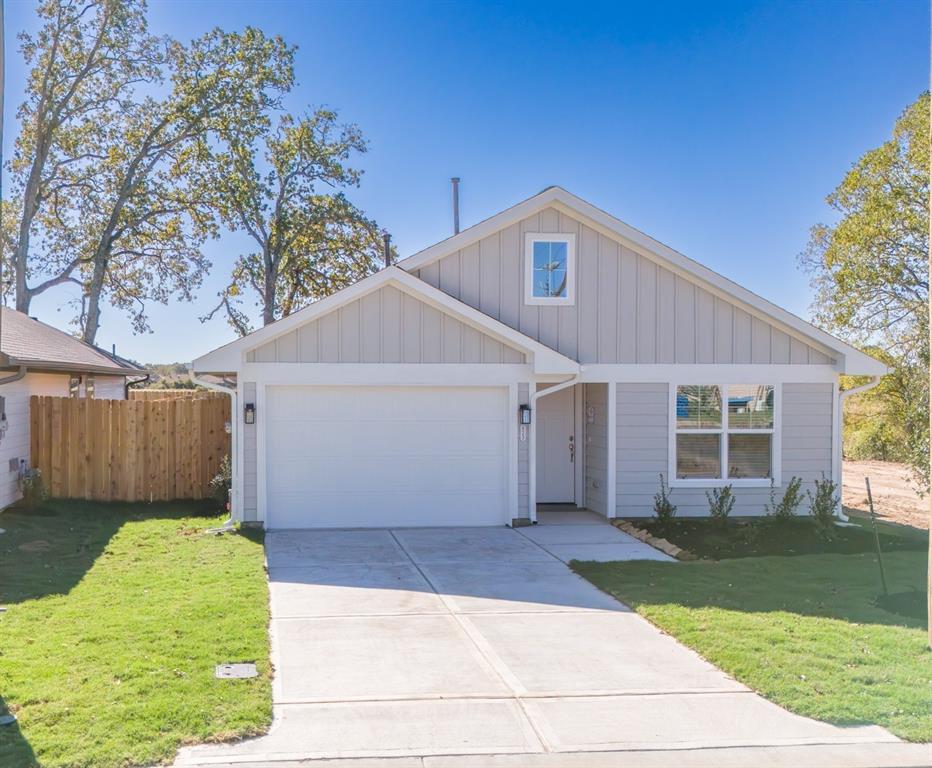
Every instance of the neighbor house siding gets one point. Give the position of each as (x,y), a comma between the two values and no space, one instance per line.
(109,387)
(386,326)
(524,509)
(643,426)
(15,446)
(628,309)
(595,414)
(250,457)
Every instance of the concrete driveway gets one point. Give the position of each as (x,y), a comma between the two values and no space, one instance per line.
(462,642)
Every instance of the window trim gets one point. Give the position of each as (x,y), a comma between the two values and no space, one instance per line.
(720,482)
(549,237)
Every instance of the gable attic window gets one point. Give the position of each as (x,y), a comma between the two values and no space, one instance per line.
(549,268)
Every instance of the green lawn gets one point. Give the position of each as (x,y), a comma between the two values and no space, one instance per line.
(115,617)
(806,631)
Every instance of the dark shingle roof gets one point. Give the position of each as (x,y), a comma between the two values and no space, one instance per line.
(37,345)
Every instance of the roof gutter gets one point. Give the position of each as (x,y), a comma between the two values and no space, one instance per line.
(843,395)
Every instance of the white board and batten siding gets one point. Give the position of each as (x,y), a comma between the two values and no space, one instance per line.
(643,453)
(386,326)
(628,308)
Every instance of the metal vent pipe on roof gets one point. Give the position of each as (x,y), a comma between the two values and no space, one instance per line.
(455,181)
(387,248)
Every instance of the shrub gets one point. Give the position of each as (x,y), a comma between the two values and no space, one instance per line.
(664,509)
(721,502)
(786,508)
(823,503)
(221,483)
(33,488)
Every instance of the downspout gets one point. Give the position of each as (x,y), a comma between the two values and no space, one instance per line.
(840,453)
(128,385)
(532,439)
(228,524)
(14,377)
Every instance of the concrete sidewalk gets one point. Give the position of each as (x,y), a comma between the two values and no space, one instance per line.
(478,646)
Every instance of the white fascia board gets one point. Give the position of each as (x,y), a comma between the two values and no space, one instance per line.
(852,360)
(709,373)
(231,357)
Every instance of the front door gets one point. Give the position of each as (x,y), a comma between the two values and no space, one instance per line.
(556,447)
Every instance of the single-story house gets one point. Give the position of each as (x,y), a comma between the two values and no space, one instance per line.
(37,359)
(550,354)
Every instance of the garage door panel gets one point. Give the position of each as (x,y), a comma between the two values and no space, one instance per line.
(433,473)
(379,403)
(339,437)
(370,510)
(385,456)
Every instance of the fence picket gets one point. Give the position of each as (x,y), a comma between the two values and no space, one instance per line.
(126,450)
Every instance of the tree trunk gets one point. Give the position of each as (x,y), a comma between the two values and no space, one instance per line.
(269,286)
(95,288)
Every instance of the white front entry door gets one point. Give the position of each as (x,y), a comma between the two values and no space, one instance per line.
(371,457)
(556,447)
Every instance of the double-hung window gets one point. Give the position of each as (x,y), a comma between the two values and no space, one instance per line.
(724,433)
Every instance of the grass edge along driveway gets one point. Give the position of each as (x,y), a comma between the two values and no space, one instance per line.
(116,615)
(802,631)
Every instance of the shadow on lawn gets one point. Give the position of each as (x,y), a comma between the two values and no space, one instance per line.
(47,551)
(15,751)
(844,587)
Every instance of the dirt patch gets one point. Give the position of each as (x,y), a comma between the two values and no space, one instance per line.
(895,496)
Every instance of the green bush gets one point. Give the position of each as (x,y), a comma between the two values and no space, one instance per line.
(823,503)
(721,502)
(664,509)
(875,439)
(221,483)
(785,509)
(34,490)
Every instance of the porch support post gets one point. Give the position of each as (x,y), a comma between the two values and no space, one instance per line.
(611,452)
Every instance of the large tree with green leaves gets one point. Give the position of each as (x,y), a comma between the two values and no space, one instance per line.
(286,193)
(84,63)
(870,269)
(149,207)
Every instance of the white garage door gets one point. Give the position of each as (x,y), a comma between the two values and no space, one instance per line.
(345,457)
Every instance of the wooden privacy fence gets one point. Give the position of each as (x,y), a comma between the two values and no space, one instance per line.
(176,394)
(128,450)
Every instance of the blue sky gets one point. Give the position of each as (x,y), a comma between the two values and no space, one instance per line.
(718,129)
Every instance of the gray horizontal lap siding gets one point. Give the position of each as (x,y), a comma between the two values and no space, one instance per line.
(628,309)
(643,449)
(386,326)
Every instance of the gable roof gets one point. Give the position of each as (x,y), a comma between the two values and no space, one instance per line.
(27,341)
(230,357)
(851,359)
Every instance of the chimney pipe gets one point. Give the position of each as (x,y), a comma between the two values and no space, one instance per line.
(456,204)
(387,248)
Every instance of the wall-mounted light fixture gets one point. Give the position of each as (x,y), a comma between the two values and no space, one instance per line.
(524,414)
(249,413)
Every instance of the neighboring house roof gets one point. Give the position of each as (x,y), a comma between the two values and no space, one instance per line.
(854,360)
(27,341)
(228,358)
